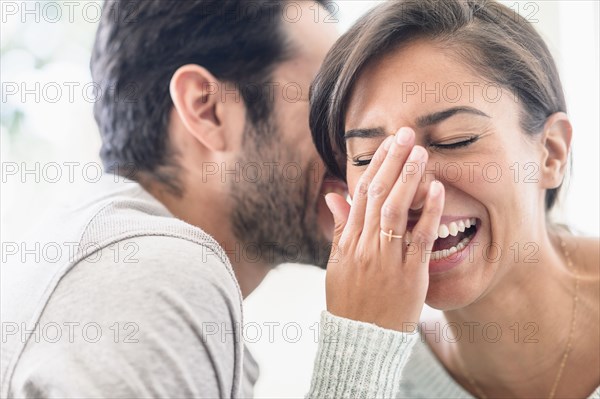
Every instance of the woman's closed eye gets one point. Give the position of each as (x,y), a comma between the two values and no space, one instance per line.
(365,159)
(362,160)
(455,143)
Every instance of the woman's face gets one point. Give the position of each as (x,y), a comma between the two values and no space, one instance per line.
(489,167)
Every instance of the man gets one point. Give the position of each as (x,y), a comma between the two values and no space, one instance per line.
(214,180)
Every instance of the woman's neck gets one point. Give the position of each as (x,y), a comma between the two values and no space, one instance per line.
(513,340)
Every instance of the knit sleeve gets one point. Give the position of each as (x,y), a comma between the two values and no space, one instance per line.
(358,360)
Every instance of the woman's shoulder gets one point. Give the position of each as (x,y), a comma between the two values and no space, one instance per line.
(590,246)
(425,376)
(586,259)
(585,253)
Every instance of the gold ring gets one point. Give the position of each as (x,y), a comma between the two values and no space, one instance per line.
(390,235)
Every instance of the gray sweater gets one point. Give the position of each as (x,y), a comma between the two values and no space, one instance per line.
(117,298)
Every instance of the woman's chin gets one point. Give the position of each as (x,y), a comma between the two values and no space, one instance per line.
(446,302)
(456,290)
(459,279)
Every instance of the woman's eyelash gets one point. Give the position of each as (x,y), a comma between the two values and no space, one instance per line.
(464,143)
(361,162)
(459,144)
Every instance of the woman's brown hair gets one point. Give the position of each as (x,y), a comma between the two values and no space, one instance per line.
(493,40)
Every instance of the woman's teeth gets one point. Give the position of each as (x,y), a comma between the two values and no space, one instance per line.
(444,253)
(454,227)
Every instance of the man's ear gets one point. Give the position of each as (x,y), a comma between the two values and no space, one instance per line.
(195,93)
(557,136)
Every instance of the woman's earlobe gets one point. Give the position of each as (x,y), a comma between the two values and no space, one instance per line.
(557,133)
(195,92)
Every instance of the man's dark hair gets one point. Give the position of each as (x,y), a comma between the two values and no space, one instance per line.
(141,43)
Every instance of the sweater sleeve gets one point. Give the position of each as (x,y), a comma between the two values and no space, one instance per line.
(358,360)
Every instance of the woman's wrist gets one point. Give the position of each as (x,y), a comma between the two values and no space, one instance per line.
(358,359)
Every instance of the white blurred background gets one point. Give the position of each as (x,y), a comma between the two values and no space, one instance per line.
(45,58)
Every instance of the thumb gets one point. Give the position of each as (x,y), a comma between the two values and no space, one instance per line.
(340,209)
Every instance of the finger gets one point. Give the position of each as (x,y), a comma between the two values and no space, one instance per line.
(359,198)
(394,211)
(425,231)
(340,209)
(421,193)
(384,180)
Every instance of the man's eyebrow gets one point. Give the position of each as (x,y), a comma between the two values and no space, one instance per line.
(437,117)
(365,133)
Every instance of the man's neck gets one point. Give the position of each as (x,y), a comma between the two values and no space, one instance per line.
(200,210)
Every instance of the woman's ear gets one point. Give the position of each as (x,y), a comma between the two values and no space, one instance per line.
(557,136)
(195,93)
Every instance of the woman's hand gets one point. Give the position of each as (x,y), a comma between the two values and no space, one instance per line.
(372,277)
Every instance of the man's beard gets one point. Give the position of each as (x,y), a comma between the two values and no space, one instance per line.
(275,217)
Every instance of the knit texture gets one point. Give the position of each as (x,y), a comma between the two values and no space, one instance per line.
(359,360)
(180,292)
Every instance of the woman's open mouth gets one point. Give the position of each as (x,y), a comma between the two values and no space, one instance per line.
(453,237)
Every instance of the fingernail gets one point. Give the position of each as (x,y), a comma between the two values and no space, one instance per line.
(403,136)
(416,154)
(436,188)
(329,202)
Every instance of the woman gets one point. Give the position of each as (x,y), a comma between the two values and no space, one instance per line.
(466,94)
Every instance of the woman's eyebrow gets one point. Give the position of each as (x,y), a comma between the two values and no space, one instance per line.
(437,117)
(369,133)
(423,121)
